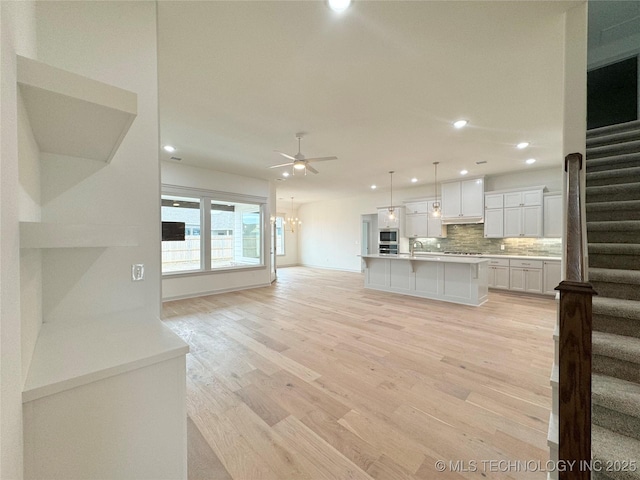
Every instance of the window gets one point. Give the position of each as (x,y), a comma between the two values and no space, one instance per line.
(220,232)
(235,234)
(181,256)
(280,236)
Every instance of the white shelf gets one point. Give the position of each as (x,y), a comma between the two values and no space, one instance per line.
(70,355)
(74,115)
(55,235)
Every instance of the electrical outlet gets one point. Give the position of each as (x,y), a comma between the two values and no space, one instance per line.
(438,245)
(501,247)
(137,272)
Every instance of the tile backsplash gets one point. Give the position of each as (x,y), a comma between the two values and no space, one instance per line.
(470,238)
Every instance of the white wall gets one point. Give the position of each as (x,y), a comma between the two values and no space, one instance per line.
(191,285)
(17,35)
(115,43)
(331,233)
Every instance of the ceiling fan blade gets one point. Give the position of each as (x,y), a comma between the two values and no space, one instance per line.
(321,159)
(285,155)
(281,165)
(311,169)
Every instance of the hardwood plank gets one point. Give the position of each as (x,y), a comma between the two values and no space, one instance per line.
(316,378)
(321,457)
(402,449)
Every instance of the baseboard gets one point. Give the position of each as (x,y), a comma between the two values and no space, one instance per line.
(214,292)
(324,267)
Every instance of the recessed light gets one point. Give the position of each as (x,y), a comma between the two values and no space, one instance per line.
(460,123)
(522,145)
(531,160)
(176,204)
(339,5)
(169,148)
(414,180)
(464,172)
(373,187)
(285,174)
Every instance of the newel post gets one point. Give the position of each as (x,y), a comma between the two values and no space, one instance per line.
(575,313)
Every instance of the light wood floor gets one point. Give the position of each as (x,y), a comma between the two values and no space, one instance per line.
(317,378)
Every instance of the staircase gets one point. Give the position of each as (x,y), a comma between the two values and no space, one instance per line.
(613,234)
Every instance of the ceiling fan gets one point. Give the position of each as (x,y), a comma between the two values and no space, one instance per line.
(299,161)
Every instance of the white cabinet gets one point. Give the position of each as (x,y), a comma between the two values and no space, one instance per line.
(417,225)
(397,222)
(525,275)
(435,227)
(463,201)
(416,207)
(494,215)
(553,216)
(420,223)
(499,273)
(523,221)
(514,214)
(552,276)
(524,198)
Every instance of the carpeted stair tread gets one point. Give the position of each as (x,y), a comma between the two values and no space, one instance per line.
(612,162)
(619,205)
(613,138)
(608,446)
(616,346)
(614,276)
(619,191)
(615,248)
(616,307)
(613,129)
(611,177)
(616,394)
(617,210)
(615,149)
(615,226)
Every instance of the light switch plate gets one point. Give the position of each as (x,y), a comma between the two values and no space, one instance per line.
(137,272)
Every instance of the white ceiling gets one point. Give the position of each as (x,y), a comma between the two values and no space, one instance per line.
(378,86)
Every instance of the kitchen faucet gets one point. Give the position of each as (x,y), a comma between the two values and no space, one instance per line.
(413,246)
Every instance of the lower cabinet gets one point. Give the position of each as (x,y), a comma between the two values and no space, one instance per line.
(521,275)
(525,275)
(499,273)
(552,276)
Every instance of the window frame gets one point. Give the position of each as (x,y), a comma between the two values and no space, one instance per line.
(206,198)
(283,236)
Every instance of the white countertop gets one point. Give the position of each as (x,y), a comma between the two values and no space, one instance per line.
(67,356)
(468,259)
(489,255)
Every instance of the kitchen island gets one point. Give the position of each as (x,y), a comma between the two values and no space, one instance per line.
(457,279)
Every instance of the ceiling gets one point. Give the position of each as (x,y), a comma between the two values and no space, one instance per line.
(378,86)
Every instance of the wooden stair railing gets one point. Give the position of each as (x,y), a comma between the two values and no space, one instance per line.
(574,415)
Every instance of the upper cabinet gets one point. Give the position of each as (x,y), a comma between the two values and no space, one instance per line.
(463,201)
(74,115)
(397,222)
(514,213)
(494,215)
(420,223)
(553,215)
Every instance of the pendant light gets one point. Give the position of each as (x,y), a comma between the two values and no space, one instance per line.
(392,214)
(291,221)
(436,211)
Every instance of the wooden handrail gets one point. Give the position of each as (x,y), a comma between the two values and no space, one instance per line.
(575,316)
(575,244)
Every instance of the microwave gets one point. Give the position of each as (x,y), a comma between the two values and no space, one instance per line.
(388,235)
